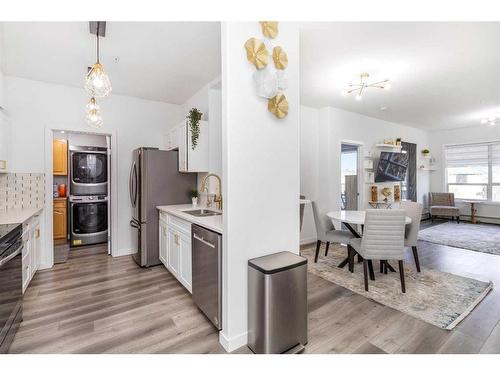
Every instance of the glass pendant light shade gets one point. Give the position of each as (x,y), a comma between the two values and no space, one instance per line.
(93,118)
(97,82)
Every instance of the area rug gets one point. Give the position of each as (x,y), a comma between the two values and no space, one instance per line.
(484,238)
(436,297)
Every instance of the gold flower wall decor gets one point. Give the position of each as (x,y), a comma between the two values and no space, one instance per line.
(256,53)
(280,58)
(269,29)
(278,106)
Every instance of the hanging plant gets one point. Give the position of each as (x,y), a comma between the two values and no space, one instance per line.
(194,118)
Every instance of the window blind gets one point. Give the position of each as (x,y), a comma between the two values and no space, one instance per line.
(468,155)
(495,154)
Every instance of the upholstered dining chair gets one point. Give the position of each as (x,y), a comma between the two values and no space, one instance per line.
(326,232)
(443,204)
(414,211)
(383,239)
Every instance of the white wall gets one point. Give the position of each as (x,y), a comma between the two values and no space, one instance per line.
(322,132)
(488,212)
(309,168)
(260,170)
(33,106)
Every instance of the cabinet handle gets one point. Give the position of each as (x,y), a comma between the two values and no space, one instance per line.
(176,239)
(37,233)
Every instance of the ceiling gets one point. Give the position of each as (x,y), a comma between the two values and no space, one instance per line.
(443,75)
(163,61)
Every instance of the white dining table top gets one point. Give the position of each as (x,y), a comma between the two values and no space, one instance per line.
(304,201)
(353,217)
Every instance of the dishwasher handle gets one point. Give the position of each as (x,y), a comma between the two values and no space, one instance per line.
(201,239)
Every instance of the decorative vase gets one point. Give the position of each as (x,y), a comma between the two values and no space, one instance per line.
(194,200)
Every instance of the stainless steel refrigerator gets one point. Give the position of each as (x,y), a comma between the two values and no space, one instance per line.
(154,180)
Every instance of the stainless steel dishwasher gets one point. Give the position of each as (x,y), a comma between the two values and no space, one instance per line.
(207,272)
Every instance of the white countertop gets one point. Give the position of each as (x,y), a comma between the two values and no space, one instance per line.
(210,222)
(18,215)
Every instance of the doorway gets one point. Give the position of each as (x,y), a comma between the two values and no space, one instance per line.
(349,176)
(81,192)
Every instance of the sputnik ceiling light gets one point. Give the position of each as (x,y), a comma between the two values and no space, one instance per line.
(491,120)
(360,88)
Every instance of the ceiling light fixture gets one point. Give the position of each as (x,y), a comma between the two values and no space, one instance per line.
(97,82)
(94,119)
(359,88)
(491,120)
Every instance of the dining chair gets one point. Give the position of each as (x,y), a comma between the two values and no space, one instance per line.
(326,232)
(414,211)
(383,239)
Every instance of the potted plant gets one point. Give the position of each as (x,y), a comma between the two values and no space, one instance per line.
(194,197)
(425,153)
(193,120)
(398,141)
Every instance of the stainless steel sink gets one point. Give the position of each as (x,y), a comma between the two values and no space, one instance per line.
(202,213)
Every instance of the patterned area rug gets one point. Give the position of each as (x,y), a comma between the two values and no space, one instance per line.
(436,297)
(484,238)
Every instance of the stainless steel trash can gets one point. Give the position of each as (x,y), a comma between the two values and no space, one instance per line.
(277,303)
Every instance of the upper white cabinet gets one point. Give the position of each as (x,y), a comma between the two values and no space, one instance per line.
(190,159)
(4,144)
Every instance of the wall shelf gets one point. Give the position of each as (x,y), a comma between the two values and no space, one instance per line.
(384,145)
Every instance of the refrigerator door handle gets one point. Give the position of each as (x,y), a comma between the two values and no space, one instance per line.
(132,185)
(130,188)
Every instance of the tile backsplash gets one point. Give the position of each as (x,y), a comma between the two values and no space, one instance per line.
(22,190)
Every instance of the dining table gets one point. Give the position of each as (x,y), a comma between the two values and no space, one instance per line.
(352,218)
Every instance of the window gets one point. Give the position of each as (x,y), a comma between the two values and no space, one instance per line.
(473,171)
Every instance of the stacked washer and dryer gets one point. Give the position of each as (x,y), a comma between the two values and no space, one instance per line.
(88,195)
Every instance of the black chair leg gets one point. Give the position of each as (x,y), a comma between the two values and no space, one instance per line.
(365,273)
(381,266)
(326,250)
(458,219)
(432,218)
(370,269)
(350,255)
(318,244)
(402,276)
(415,256)
(360,258)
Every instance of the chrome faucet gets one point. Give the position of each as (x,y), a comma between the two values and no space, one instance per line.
(218,198)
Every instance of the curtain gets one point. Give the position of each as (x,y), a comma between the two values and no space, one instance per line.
(410,192)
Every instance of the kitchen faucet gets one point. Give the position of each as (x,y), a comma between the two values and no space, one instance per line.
(218,198)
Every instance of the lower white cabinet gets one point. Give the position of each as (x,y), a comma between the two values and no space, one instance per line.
(175,247)
(32,243)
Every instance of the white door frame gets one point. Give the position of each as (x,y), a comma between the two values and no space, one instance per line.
(47,258)
(359,166)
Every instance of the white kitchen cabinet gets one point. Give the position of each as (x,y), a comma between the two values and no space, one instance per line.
(31,252)
(185,266)
(190,160)
(173,251)
(175,247)
(162,243)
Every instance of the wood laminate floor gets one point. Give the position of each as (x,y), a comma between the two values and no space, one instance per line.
(97,304)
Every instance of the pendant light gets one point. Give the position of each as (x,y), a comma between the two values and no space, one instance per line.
(97,82)
(93,118)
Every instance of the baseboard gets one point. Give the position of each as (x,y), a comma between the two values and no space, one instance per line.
(307,241)
(122,252)
(44,266)
(233,343)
